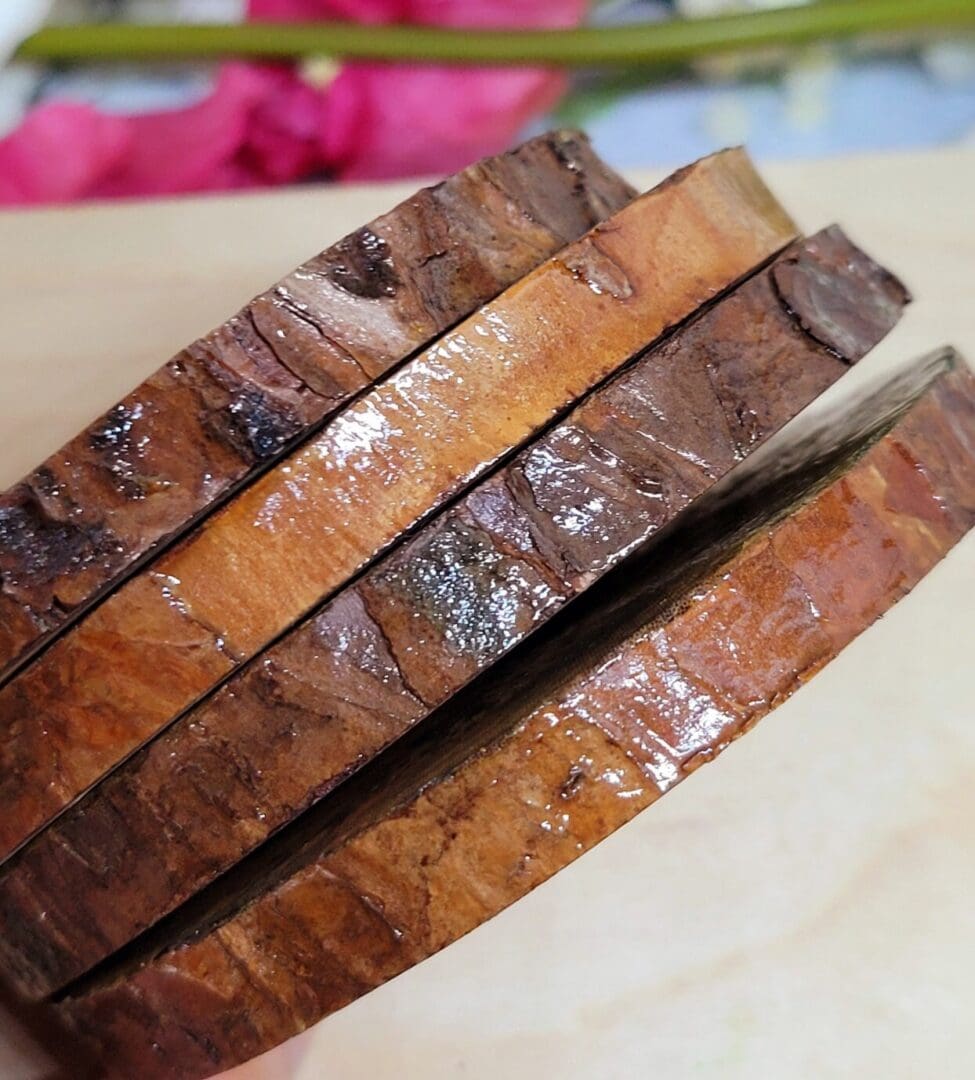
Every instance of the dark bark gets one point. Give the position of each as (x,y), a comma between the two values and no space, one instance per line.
(230,403)
(435,613)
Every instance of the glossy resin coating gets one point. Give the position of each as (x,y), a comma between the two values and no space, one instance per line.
(348,911)
(234,400)
(436,612)
(383,464)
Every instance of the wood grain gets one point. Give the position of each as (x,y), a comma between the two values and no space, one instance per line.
(237,398)
(702,936)
(257,566)
(433,614)
(597,746)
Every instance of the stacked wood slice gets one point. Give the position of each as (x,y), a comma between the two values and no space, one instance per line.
(438,562)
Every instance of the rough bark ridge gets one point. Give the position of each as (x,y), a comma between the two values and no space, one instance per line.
(585,757)
(293,537)
(437,611)
(235,399)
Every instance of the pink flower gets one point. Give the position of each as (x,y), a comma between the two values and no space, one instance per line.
(360,11)
(193,149)
(65,151)
(264,125)
(59,152)
(499,14)
(386,120)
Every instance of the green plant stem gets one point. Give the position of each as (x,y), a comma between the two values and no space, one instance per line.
(647,44)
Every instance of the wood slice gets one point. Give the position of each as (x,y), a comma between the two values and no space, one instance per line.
(232,402)
(256,567)
(571,736)
(436,612)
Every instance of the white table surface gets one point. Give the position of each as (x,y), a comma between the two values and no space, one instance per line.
(803,908)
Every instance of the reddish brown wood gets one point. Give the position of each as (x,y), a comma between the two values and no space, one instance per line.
(296,535)
(234,400)
(580,756)
(436,612)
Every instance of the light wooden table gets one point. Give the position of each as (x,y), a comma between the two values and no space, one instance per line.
(805,908)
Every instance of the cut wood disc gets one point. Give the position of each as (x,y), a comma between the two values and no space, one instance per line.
(395,456)
(439,610)
(568,738)
(232,402)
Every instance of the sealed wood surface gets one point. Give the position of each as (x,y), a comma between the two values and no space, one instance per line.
(429,617)
(378,468)
(720,957)
(234,400)
(601,739)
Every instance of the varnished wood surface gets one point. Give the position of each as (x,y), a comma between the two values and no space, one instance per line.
(392,648)
(807,911)
(592,743)
(380,467)
(230,403)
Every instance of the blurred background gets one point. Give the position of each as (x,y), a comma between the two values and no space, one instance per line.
(89,129)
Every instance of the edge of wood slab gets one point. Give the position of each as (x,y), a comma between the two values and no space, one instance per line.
(421,623)
(379,468)
(231,403)
(504,793)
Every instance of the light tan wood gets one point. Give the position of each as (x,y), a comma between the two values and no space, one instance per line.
(815,918)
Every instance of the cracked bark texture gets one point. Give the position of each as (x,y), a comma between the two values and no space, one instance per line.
(414,441)
(436,612)
(237,398)
(565,771)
